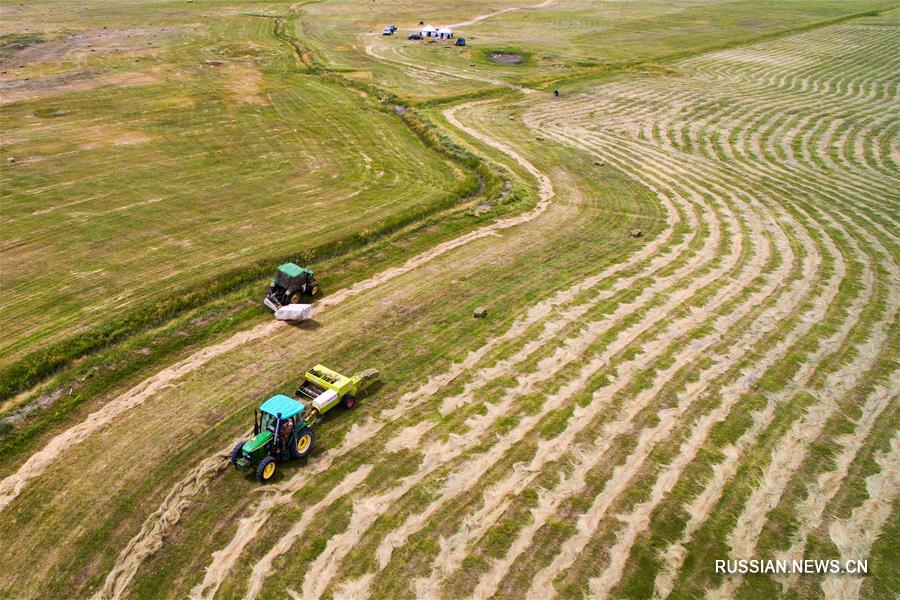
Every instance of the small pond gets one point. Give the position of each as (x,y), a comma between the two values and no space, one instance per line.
(505,58)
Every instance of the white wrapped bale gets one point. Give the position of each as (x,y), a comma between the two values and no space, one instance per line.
(294,312)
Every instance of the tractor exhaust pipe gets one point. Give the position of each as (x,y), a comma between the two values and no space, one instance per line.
(278,433)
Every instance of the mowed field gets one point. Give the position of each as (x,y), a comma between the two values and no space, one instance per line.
(555,38)
(633,408)
(171,145)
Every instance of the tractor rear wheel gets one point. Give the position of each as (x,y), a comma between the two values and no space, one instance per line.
(236,453)
(304,443)
(266,469)
(348,402)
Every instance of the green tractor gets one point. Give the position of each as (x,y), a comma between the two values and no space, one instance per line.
(291,282)
(283,427)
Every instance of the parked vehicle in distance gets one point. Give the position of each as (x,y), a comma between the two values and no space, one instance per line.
(414,36)
(387,31)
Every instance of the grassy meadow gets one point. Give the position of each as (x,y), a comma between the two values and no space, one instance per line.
(215,155)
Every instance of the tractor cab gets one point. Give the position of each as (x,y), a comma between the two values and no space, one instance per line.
(289,284)
(279,433)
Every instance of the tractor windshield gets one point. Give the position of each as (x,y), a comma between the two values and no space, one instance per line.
(290,281)
(267,422)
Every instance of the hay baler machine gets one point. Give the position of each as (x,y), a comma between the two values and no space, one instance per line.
(325,389)
(291,283)
(283,428)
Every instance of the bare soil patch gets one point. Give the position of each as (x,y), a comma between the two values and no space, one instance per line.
(99,136)
(74,81)
(244,81)
(47,47)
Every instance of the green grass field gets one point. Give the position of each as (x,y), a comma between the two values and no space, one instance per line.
(689,261)
(213,156)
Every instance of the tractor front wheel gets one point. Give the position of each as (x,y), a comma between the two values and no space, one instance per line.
(266,469)
(236,453)
(295,298)
(303,446)
(348,402)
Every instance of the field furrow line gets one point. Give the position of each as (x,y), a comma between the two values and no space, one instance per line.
(811,509)
(638,520)
(367,510)
(703,503)
(520,545)
(765,101)
(855,535)
(762,168)
(790,59)
(542,586)
(868,190)
(480,520)
(262,568)
(774,110)
(793,446)
(756,158)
